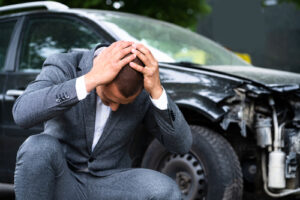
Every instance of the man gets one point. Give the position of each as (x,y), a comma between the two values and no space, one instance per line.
(91,103)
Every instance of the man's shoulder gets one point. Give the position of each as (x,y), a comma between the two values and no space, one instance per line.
(70,58)
(79,59)
(72,62)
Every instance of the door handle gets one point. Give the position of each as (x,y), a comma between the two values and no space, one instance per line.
(14,93)
(11,95)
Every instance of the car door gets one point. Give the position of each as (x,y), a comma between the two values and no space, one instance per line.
(7,27)
(42,35)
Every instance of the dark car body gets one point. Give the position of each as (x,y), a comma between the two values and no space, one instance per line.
(223,98)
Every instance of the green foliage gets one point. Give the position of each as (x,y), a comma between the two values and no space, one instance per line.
(297,2)
(184,13)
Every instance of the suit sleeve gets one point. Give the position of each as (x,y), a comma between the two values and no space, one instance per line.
(169,127)
(50,94)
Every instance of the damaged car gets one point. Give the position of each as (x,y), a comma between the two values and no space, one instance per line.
(245,120)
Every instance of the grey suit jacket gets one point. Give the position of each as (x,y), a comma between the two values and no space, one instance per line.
(52,99)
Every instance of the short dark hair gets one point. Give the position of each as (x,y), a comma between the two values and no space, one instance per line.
(129,81)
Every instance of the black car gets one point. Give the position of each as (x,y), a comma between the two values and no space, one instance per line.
(245,120)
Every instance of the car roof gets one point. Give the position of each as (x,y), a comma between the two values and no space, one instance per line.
(24,9)
(49,5)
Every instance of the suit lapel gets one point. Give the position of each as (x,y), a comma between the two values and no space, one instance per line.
(111,123)
(89,103)
(89,113)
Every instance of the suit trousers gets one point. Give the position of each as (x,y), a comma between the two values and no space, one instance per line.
(42,173)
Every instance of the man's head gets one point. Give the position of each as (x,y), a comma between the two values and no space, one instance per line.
(124,88)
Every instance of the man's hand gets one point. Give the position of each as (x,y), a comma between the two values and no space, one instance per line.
(108,64)
(150,71)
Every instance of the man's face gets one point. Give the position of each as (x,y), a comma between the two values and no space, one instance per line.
(111,96)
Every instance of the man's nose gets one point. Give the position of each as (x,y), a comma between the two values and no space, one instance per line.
(114,106)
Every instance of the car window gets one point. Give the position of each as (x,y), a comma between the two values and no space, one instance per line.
(44,37)
(6,29)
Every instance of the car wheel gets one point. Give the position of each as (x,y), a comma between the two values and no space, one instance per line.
(210,170)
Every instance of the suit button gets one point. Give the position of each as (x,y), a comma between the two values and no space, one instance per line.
(66,95)
(172,115)
(91,159)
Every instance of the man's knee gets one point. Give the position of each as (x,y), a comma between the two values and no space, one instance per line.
(168,191)
(38,161)
(160,186)
(39,147)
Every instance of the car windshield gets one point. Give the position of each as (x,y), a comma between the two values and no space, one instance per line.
(168,42)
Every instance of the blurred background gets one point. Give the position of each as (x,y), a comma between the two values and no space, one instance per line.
(265,33)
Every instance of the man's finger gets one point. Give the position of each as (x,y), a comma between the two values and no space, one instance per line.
(124,44)
(141,56)
(113,44)
(142,48)
(121,45)
(124,52)
(147,53)
(126,60)
(137,67)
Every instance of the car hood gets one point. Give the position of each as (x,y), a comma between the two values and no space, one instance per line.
(276,79)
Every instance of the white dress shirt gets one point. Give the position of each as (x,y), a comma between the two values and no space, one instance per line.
(103,111)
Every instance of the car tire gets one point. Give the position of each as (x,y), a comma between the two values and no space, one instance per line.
(211,170)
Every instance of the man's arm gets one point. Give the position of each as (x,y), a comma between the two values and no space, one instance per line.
(166,122)
(54,90)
